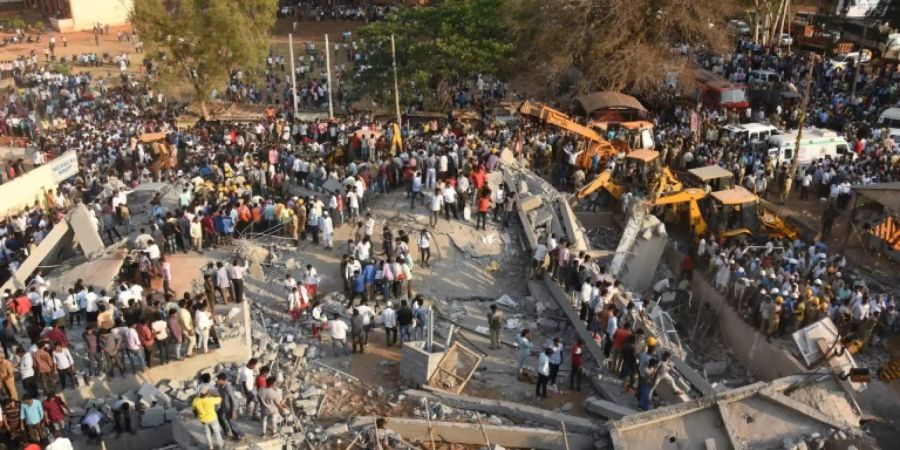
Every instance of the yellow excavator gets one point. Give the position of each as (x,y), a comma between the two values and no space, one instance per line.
(643,169)
(740,212)
(597,144)
(690,197)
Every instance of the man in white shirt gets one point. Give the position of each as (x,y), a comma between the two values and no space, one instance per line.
(537,261)
(60,442)
(91,305)
(368,316)
(246,380)
(389,318)
(26,372)
(204,323)
(223,282)
(449,194)
(236,274)
(338,330)
(436,204)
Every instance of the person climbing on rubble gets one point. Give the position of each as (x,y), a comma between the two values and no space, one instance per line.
(379,437)
(204,407)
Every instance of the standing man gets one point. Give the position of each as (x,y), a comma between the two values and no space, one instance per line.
(8,378)
(357,331)
(338,334)
(236,274)
(495,323)
(543,370)
(555,361)
(204,406)
(186,323)
(228,409)
(421,316)
(32,415)
(46,368)
(404,320)
(246,378)
(223,282)
(389,318)
(272,403)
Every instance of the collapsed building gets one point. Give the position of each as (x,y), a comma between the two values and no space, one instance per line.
(446,390)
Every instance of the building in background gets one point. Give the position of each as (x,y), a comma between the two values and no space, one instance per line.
(80,15)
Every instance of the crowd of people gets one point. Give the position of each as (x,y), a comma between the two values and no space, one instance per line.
(277,175)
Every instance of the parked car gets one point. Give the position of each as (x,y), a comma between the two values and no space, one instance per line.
(738,27)
(786,40)
(842,61)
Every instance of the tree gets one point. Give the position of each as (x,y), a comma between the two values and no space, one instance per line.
(437,47)
(202,41)
(614,44)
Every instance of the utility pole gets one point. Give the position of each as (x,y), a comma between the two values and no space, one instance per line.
(396,83)
(328,71)
(293,73)
(862,47)
(795,161)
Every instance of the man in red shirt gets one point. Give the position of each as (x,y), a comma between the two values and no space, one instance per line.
(261,378)
(484,205)
(618,341)
(55,409)
(577,360)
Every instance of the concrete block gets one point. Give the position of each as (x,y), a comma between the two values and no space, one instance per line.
(153,417)
(529,203)
(170,414)
(84,229)
(607,409)
(148,391)
(337,430)
(715,368)
(710,444)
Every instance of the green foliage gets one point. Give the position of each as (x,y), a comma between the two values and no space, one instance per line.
(436,46)
(202,41)
(60,68)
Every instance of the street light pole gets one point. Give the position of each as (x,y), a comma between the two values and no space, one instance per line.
(328,71)
(396,83)
(293,73)
(862,46)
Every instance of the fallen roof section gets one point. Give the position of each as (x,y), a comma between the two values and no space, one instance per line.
(509,409)
(475,434)
(760,415)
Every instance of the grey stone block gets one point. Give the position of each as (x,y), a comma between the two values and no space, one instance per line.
(153,417)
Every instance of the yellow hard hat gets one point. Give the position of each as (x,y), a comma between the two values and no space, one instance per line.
(814,301)
(651,341)
(779,300)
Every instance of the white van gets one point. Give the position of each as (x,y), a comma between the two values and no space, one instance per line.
(754,132)
(890,119)
(815,143)
(760,77)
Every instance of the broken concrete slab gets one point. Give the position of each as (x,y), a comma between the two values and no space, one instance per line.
(607,409)
(506,408)
(715,368)
(337,429)
(153,417)
(530,202)
(473,434)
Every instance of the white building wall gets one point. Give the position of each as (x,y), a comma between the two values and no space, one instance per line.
(86,13)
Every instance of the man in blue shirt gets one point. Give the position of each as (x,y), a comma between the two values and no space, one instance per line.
(32,415)
(421,316)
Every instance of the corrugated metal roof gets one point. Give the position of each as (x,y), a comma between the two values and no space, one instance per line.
(887,194)
(711,172)
(599,100)
(735,196)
